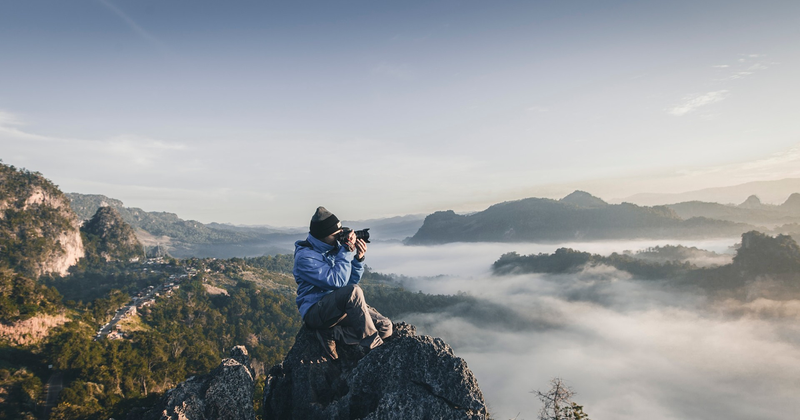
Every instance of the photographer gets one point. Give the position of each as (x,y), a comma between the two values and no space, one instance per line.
(327,269)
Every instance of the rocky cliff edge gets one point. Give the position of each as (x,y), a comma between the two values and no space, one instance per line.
(408,377)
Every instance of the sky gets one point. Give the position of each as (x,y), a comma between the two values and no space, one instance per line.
(258,112)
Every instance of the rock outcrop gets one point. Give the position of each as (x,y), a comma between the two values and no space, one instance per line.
(39,232)
(408,377)
(224,393)
(110,238)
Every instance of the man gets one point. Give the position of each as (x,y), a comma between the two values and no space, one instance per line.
(327,270)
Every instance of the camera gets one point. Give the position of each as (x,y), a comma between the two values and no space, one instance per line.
(360,234)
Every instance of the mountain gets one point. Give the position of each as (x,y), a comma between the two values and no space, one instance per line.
(578,216)
(769,191)
(110,238)
(39,232)
(752,202)
(792,203)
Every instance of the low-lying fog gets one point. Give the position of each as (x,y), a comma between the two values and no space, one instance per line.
(631,349)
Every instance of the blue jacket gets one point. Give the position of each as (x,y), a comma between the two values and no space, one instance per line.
(320,269)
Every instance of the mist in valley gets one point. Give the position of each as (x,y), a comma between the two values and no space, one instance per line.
(631,348)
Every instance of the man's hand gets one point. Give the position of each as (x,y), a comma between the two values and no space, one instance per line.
(361,246)
(350,241)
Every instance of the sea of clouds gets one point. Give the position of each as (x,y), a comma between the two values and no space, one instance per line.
(631,349)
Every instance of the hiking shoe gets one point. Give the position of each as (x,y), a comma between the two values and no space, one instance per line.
(325,338)
(369,343)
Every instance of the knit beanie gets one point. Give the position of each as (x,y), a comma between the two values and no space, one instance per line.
(323,223)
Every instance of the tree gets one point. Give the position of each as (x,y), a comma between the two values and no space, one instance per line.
(557,403)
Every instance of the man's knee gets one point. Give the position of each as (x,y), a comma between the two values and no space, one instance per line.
(352,295)
(356,294)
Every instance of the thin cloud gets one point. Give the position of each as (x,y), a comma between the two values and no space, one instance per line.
(692,103)
(784,164)
(7,122)
(7,118)
(141,32)
(140,151)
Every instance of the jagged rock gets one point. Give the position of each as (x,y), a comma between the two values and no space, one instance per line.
(224,393)
(409,377)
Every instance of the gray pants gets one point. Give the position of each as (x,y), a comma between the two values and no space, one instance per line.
(352,320)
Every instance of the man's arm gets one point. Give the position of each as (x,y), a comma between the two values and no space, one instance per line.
(314,268)
(358,266)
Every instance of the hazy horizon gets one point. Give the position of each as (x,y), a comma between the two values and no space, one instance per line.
(256,113)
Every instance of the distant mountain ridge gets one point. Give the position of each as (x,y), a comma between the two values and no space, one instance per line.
(578,216)
(752,211)
(768,191)
(190,238)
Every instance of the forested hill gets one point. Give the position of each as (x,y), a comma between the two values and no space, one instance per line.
(764,267)
(39,233)
(579,216)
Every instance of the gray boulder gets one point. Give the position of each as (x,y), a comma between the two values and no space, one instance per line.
(224,393)
(409,377)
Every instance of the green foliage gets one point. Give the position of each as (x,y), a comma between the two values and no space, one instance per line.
(92,279)
(188,334)
(22,298)
(283,263)
(20,391)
